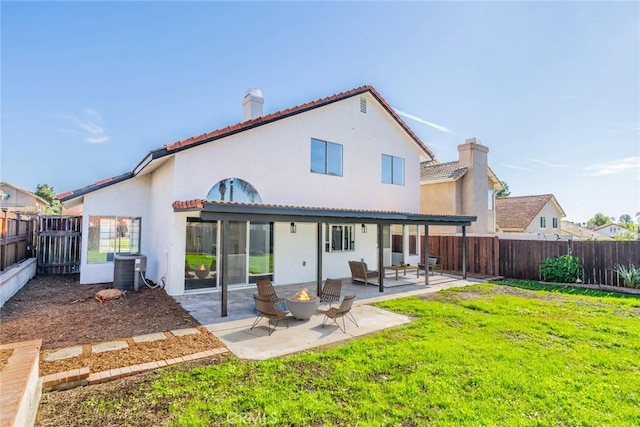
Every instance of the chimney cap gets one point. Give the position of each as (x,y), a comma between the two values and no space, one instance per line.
(254,92)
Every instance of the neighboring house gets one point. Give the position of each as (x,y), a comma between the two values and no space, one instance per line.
(611,230)
(579,232)
(541,214)
(15,199)
(290,196)
(463,187)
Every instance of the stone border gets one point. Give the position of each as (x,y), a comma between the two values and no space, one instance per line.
(83,376)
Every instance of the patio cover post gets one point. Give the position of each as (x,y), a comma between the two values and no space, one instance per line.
(224,265)
(464,251)
(319,257)
(426,255)
(380,259)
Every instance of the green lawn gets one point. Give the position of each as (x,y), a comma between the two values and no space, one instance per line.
(482,355)
(257,263)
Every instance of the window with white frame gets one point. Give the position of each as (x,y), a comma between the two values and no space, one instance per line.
(554,221)
(326,157)
(392,170)
(543,222)
(110,235)
(339,238)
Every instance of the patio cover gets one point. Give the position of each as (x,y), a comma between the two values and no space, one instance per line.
(213,210)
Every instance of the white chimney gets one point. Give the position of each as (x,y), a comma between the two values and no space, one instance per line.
(252,104)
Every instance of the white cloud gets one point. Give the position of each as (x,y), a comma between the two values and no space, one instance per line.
(553,165)
(515,167)
(426,122)
(613,167)
(90,126)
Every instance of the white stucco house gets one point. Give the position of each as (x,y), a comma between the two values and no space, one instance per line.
(611,230)
(291,196)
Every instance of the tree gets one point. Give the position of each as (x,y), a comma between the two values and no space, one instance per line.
(49,194)
(599,219)
(626,219)
(505,191)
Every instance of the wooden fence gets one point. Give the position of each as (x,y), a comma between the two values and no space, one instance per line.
(482,253)
(521,259)
(17,234)
(59,244)
(600,258)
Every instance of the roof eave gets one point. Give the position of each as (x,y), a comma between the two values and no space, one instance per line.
(313,214)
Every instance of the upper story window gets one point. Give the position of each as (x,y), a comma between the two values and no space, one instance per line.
(543,222)
(392,170)
(110,235)
(326,157)
(554,221)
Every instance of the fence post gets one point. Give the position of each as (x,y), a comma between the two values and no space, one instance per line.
(3,237)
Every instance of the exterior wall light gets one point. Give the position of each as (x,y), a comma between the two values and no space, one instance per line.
(292,227)
(364,228)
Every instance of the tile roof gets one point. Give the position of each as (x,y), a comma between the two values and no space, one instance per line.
(436,172)
(268,118)
(609,225)
(194,141)
(516,213)
(580,232)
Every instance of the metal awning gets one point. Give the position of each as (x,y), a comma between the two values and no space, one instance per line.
(214,210)
(239,211)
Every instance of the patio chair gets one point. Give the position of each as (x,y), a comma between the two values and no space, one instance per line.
(265,290)
(331,291)
(265,308)
(435,263)
(187,270)
(344,310)
(361,273)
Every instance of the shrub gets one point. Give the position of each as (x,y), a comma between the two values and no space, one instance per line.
(563,269)
(630,274)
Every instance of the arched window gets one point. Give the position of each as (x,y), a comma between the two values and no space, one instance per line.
(234,190)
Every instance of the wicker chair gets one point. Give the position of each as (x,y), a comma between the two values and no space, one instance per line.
(265,308)
(344,310)
(331,291)
(266,290)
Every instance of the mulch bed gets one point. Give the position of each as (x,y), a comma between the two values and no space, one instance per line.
(63,313)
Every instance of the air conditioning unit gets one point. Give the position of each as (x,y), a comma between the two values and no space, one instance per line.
(127,270)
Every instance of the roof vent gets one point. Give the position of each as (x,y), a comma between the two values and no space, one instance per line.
(252,104)
(363,105)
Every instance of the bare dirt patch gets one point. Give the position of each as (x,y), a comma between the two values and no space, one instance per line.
(63,313)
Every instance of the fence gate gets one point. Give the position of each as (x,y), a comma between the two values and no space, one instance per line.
(59,244)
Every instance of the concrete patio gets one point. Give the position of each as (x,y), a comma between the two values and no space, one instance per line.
(234,330)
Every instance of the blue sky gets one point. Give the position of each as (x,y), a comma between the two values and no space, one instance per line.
(552,88)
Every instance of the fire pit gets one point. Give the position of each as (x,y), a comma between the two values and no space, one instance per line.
(303,305)
(202,271)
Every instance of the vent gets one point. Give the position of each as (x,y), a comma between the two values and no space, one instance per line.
(363,105)
(127,270)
